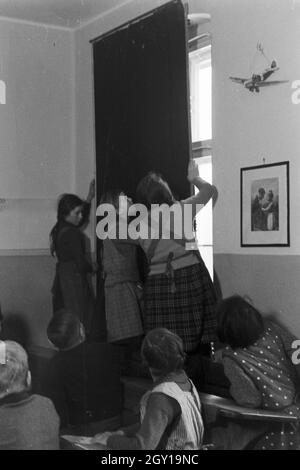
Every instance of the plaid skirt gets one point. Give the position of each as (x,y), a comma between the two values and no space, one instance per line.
(123,307)
(190,311)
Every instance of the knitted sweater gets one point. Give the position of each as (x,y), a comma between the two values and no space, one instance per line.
(28,422)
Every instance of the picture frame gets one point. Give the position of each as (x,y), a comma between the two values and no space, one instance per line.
(265,206)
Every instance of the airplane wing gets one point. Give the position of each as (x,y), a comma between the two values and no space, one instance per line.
(271,82)
(239,80)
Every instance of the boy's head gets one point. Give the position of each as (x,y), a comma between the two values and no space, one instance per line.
(162,351)
(65,330)
(14,373)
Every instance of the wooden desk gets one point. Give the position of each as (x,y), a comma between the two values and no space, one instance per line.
(228,408)
(75,443)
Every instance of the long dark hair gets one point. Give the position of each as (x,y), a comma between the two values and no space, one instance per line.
(239,324)
(152,189)
(66,203)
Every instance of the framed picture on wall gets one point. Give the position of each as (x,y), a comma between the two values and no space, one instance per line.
(265,211)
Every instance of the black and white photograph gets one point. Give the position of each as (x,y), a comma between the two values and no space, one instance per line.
(265,205)
(149,228)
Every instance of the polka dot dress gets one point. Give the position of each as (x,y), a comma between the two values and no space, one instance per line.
(271,371)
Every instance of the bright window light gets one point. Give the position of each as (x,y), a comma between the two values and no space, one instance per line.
(2,92)
(201,127)
(200,87)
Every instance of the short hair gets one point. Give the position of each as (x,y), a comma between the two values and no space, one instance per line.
(262,191)
(13,374)
(111,197)
(152,189)
(239,323)
(162,351)
(63,329)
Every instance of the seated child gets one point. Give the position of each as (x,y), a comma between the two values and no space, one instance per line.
(170,413)
(258,364)
(27,422)
(83,378)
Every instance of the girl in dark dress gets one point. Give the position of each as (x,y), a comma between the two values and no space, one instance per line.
(71,288)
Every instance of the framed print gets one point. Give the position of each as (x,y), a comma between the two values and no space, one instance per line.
(265,211)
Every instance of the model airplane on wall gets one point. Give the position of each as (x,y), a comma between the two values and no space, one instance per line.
(256,81)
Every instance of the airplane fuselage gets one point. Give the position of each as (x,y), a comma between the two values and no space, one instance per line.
(253,83)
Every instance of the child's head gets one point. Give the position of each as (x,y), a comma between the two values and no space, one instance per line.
(118,199)
(14,373)
(270,195)
(67,205)
(152,189)
(162,351)
(239,323)
(69,209)
(65,330)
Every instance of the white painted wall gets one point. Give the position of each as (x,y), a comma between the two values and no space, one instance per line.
(36,122)
(37,144)
(248,127)
(36,130)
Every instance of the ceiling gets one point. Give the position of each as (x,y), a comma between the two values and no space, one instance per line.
(62,13)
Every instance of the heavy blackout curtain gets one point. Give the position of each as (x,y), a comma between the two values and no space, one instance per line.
(141,102)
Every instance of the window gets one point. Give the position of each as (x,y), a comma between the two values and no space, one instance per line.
(2,92)
(201,128)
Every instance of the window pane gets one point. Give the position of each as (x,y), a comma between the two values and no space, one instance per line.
(207,256)
(204,217)
(200,88)
(204,220)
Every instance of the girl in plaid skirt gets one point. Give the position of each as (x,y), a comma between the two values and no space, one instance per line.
(178,293)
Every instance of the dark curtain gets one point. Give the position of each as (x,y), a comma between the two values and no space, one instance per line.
(141,102)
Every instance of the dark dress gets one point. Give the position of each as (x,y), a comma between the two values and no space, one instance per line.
(71,288)
(84,384)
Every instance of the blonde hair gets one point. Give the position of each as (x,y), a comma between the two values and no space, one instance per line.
(14,373)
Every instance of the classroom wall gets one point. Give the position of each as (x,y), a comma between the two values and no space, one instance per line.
(247,128)
(47,146)
(36,165)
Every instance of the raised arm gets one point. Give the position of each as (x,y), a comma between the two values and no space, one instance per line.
(91,193)
(86,208)
(206,190)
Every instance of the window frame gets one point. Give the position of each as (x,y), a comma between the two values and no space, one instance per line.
(201,148)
